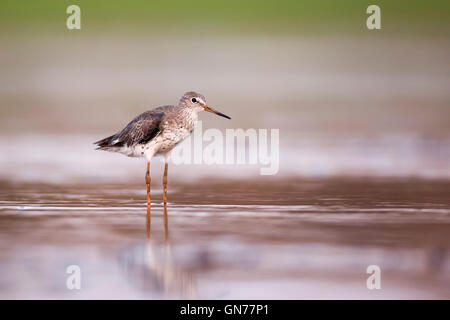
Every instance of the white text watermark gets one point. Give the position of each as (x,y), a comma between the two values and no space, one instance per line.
(236,146)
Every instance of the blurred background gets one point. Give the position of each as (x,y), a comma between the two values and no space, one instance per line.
(347,100)
(368,108)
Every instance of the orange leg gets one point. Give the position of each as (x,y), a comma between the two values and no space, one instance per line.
(147,181)
(166,223)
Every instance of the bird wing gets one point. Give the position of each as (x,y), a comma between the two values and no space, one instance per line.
(140,130)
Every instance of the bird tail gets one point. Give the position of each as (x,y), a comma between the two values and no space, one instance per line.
(106,144)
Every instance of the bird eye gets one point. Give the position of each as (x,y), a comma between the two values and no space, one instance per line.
(194,100)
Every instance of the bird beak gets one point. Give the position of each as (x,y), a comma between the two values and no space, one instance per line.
(209,109)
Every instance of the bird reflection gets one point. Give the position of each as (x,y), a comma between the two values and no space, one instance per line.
(166,223)
(160,265)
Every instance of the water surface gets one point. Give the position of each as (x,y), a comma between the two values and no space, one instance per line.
(282,238)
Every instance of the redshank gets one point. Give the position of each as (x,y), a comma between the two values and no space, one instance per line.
(157,132)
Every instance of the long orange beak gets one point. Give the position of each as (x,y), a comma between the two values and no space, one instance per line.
(209,109)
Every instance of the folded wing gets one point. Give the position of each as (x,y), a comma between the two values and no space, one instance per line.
(140,130)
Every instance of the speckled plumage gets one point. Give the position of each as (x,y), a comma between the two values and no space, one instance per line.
(156,132)
(159,130)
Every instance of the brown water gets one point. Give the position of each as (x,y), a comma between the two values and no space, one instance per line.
(364,176)
(275,238)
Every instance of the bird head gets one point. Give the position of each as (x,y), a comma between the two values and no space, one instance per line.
(197,102)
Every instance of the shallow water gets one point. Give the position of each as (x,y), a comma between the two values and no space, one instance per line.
(279,238)
(363,177)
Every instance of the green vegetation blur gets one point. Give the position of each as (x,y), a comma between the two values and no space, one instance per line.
(235,16)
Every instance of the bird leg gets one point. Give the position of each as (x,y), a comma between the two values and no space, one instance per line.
(166,223)
(147,182)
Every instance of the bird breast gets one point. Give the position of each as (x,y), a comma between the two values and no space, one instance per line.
(176,130)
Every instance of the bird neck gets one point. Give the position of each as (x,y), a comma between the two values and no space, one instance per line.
(190,114)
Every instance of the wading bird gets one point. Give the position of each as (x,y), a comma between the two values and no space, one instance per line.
(157,132)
